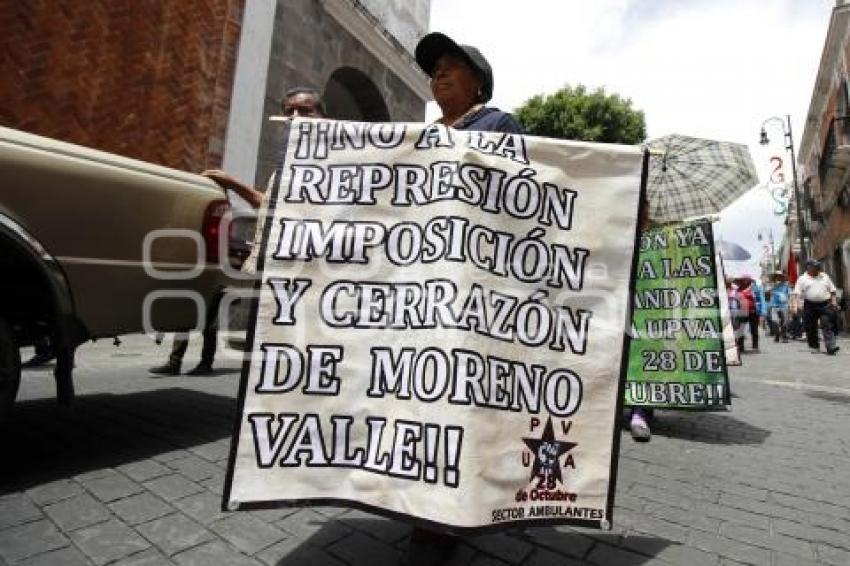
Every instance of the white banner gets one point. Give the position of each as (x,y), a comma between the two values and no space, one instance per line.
(440,327)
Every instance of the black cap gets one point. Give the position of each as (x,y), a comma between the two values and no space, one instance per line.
(432,46)
(813,263)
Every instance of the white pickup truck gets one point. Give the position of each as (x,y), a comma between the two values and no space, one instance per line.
(85,237)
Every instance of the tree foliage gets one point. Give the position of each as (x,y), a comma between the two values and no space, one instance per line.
(577,114)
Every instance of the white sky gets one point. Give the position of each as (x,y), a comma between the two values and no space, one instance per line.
(707,68)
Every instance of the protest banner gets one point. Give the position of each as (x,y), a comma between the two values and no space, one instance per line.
(677,356)
(441,328)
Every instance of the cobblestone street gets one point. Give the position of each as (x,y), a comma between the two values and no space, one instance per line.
(133,474)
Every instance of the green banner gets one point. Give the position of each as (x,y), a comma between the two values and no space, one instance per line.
(676,357)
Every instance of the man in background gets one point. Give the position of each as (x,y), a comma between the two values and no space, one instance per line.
(297,102)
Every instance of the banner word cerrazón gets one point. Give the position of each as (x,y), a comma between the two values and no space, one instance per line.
(440,327)
(677,358)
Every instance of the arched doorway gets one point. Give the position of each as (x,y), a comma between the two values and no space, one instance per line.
(351,95)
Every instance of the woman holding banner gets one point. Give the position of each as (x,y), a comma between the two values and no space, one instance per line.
(779,297)
(461,82)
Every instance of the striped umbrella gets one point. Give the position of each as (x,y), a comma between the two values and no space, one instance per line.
(696,177)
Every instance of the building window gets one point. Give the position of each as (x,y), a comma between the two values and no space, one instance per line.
(351,95)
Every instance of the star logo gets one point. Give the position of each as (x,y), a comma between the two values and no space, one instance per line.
(547,454)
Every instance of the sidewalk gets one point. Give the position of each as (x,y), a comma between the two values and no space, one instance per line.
(133,475)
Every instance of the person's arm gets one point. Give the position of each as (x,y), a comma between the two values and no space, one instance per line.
(833,295)
(224,180)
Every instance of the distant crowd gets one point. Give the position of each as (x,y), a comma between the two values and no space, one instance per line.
(810,308)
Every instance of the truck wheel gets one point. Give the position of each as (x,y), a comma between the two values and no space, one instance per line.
(10,368)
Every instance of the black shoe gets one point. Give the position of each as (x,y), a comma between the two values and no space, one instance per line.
(38,360)
(832,350)
(166,369)
(639,427)
(202,368)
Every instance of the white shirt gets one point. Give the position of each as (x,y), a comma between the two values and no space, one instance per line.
(818,288)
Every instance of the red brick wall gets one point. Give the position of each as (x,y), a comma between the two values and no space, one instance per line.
(149,79)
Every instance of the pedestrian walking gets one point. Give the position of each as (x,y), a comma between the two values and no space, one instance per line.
(780,296)
(749,301)
(817,293)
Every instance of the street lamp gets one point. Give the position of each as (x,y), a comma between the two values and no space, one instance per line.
(789,141)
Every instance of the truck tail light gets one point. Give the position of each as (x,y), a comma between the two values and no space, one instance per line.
(216,229)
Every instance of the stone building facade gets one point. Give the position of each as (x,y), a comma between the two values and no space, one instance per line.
(357,53)
(825,154)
